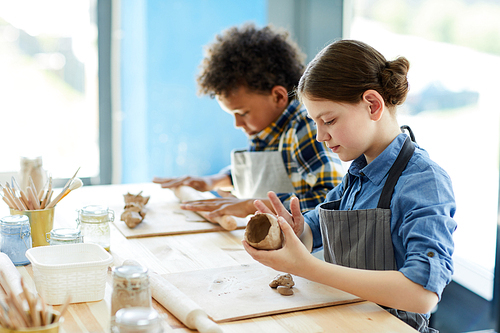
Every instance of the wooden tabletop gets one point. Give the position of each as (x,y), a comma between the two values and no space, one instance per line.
(189,252)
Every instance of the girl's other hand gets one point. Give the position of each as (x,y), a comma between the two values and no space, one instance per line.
(289,258)
(295,218)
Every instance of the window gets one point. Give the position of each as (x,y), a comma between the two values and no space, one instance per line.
(454,51)
(49,86)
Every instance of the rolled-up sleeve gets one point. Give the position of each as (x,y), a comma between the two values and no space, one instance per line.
(425,233)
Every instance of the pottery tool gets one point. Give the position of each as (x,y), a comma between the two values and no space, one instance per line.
(10,193)
(75,184)
(12,275)
(60,195)
(177,303)
(48,194)
(187,193)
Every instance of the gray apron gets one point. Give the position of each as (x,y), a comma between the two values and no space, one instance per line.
(362,238)
(255,173)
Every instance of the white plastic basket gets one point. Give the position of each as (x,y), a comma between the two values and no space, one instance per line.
(79,270)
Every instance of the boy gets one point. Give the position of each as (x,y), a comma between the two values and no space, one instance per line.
(251,73)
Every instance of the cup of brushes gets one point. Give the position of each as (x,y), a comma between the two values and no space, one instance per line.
(38,205)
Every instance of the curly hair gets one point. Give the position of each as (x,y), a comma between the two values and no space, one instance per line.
(345,69)
(256,58)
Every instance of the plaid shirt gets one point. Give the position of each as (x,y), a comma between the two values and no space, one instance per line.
(313,169)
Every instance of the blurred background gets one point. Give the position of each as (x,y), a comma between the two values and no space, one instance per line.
(109,86)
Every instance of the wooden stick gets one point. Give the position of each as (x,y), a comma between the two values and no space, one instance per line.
(33,198)
(47,195)
(13,299)
(42,190)
(12,315)
(7,201)
(35,320)
(33,187)
(43,312)
(5,321)
(25,200)
(8,194)
(63,309)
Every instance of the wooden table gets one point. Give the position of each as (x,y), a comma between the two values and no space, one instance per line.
(188,252)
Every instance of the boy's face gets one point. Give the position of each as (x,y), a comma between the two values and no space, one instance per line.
(252,111)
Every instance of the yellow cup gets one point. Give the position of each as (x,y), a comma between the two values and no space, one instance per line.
(52,328)
(41,222)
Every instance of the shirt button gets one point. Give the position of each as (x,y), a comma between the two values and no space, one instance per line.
(430,254)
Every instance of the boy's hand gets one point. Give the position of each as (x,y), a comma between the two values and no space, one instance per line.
(198,183)
(287,259)
(222,206)
(295,219)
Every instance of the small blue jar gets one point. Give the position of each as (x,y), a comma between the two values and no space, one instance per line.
(16,238)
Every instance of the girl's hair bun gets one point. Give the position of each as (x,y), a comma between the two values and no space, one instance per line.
(394,82)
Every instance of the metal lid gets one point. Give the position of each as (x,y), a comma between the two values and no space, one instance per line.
(13,220)
(130,272)
(137,317)
(65,233)
(94,210)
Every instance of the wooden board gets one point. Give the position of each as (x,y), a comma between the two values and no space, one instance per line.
(165,217)
(241,292)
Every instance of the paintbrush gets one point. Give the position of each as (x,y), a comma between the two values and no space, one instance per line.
(59,196)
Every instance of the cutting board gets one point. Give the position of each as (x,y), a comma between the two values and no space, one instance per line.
(242,292)
(165,217)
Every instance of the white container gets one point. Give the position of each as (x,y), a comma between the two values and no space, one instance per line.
(79,270)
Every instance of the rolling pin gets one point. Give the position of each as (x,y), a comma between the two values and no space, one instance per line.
(177,303)
(186,193)
(11,273)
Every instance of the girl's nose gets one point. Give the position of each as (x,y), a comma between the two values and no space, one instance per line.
(322,135)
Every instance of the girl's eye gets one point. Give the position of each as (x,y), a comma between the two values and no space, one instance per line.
(329,122)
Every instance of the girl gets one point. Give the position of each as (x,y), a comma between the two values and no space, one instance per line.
(387,229)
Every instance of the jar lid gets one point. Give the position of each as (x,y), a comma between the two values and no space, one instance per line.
(65,233)
(94,210)
(130,272)
(13,220)
(137,317)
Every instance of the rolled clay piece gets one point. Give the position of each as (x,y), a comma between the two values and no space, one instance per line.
(263,232)
(285,291)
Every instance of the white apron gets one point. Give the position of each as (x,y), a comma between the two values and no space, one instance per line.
(255,173)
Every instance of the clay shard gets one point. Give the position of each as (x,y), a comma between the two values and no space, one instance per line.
(263,232)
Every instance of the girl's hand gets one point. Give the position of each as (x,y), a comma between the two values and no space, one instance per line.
(289,258)
(295,219)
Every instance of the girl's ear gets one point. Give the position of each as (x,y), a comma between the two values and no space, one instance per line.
(280,96)
(375,103)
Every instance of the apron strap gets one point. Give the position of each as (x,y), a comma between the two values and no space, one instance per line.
(396,170)
(410,132)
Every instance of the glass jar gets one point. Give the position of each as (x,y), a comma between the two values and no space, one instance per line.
(63,236)
(16,238)
(130,288)
(93,222)
(138,320)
